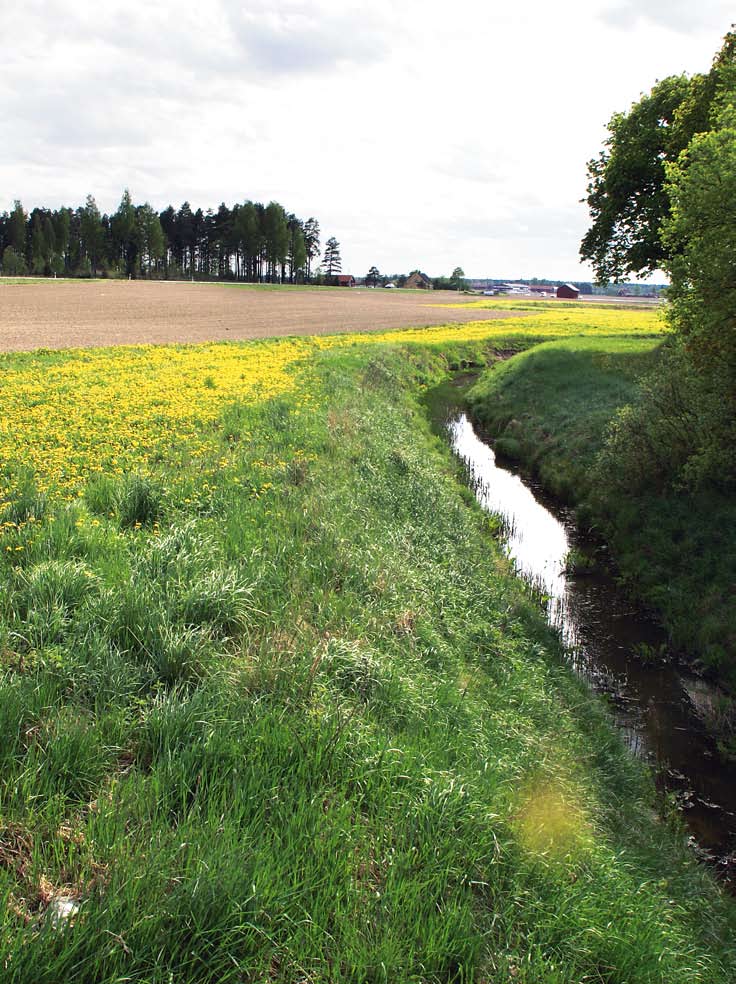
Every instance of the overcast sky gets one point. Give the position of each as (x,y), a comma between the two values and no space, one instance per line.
(420,133)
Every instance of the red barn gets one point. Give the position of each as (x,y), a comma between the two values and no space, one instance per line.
(569,291)
(345,280)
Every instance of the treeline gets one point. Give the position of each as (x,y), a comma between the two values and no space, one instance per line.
(662,194)
(415,279)
(250,241)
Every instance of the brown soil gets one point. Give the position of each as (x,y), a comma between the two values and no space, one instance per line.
(104,312)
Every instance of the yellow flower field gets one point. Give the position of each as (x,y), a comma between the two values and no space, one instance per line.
(110,410)
(70,415)
(552,319)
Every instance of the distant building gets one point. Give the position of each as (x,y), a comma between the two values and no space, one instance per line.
(345,280)
(569,291)
(541,289)
(418,281)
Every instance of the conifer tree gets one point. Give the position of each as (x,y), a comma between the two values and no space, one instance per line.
(298,251)
(123,231)
(91,233)
(17,229)
(332,261)
(311,241)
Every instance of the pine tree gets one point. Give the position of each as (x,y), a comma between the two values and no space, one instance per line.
(91,233)
(311,241)
(250,239)
(123,231)
(276,232)
(149,236)
(298,250)
(332,261)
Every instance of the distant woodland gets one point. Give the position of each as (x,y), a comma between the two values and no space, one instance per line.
(252,242)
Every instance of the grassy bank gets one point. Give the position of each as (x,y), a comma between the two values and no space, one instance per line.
(273,708)
(549,409)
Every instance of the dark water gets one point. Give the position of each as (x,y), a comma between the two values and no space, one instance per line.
(612,645)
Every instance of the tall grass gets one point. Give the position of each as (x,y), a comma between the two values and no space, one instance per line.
(555,409)
(309,727)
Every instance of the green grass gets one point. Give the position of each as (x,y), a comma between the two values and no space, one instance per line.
(14,281)
(310,287)
(316,730)
(549,409)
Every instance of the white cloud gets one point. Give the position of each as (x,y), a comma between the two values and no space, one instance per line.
(296,39)
(421,136)
(676,15)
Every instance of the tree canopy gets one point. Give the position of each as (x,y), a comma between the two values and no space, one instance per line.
(626,193)
(247,241)
(332,261)
(679,213)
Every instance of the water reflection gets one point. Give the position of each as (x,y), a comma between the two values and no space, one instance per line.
(535,540)
(605,638)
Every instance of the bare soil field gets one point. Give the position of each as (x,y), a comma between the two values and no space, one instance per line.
(108,312)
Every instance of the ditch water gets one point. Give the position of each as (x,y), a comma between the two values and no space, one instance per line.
(655,705)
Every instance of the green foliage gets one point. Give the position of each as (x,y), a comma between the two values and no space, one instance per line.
(701,233)
(14,265)
(664,193)
(457,279)
(319,730)
(138,501)
(276,237)
(605,424)
(332,261)
(550,406)
(649,443)
(26,504)
(246,242)
(148,236)
(91,234)
(17,229)
(627,193)
(298,251)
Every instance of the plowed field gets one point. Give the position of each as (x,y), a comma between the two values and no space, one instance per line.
(103,312)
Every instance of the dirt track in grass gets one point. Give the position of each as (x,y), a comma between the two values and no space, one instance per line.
(104,312)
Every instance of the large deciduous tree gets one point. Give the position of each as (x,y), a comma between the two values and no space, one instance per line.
(685,221)
(13,264)
(457,279)
(626,195)
(626,192)
(700,234)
